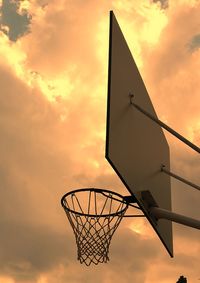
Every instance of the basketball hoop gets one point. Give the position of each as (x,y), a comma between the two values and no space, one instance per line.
(94,215)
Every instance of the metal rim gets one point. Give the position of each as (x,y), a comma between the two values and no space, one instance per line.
(98,191)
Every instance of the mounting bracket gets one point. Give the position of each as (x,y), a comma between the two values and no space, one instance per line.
(160,213)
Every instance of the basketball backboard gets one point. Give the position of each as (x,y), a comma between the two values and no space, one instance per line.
(136,147)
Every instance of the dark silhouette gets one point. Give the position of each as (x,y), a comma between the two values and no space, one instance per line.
(182,279)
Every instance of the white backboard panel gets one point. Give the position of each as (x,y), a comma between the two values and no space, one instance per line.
(135,145)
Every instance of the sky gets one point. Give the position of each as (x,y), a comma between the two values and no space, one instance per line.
(53,92)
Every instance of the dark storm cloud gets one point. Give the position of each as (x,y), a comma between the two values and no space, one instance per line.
(124,246)
(194,43)
(164,3)
(31,169)
(18,24)
(28,250)
(130,256)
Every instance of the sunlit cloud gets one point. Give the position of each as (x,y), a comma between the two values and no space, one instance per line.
(6,280)
(142,228)
(53,98)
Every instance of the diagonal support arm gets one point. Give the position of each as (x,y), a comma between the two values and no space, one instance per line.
(160,213)
(163,125)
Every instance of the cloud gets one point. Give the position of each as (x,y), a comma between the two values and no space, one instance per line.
(68,33)
(172,72)
(195,43)
(31,169)
(172,78)
(164,3)
(41,154)
(12,22)
(29,251)
(53,108)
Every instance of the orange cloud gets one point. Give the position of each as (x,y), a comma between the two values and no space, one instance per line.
(53,104)
(172,71)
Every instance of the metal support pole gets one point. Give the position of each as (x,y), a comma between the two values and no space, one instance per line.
(163,125)
(161,213)
(179,178)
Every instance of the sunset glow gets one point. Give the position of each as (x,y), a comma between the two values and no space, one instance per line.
(53,127)
(142,228)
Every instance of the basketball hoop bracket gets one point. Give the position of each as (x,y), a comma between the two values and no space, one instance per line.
(149,202)
(130,199)
(157,213)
